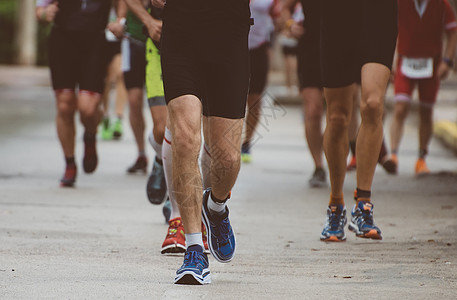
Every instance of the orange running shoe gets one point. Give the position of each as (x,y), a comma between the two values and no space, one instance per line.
(175,241)
(352,164)
(421,167)
(205,239)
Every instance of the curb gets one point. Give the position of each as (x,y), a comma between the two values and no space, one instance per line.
(446,131)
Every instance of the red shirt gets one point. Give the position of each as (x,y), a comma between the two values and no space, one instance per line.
(420,27)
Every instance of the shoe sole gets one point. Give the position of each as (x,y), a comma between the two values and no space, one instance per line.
(190,278)
(372,234)
(173,249)
(67,184)
(333,239)
(317,184)
(210,246)
(134,171)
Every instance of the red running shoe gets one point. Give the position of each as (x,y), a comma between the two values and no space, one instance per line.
(205,239)
(352,164)
(69,178)
(175,241)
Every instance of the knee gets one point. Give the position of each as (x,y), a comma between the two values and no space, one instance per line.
(400,111)
(371,109)
(338,121)
(186,142)
(66,106)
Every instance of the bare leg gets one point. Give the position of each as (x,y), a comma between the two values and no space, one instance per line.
(135,96)
(159,119)
(253,115)
(339,108)
(313,107)
(401,110)
(65,120)
(89,109)
(121,91)
(375,78)
(425,127)
(225,148)
(185,123)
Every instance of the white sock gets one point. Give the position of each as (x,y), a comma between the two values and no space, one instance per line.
(216,207)
(156,146)
(205,164)
(167,158)
(194,239)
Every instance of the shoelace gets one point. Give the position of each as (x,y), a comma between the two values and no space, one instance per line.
(365,216)
(158,174)
(335,220)
(223,230)
(192,259)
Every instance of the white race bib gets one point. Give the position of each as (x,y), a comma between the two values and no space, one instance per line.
(417,68)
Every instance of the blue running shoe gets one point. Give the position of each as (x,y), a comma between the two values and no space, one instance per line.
(362,221)
(221,238)
(156,188)
(334,227)
(195,268)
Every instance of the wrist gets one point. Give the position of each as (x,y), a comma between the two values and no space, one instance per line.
(449,62)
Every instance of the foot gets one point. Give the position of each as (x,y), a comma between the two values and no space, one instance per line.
(221,236)
(90,159)
(69,178)
(246,153)
(107,134)
(334,227)
(352,164)
(362,221)
(391,164)
(117,129)
(319,178)
(140,165)
(166,210)
(421,167)
(175,240)
(156,188)
(195,268)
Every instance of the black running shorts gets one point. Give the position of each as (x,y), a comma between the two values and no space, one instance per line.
(76,59)
(204,52)
(353,33)
(134,63)
(259,61)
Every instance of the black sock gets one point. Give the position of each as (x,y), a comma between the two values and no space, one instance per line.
(422,153)
(363,194)
(70,160)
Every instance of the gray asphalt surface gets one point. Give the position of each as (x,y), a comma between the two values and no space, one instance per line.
(102,239)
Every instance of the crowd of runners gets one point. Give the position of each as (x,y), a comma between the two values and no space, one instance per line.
(203,66)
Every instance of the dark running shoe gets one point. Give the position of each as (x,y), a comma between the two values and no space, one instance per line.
(195,268)
(221,238)
(140,165)
(362,223)
(166,210)
(69,178)
(319,178)
(156,188)
(334,227)
(90,159)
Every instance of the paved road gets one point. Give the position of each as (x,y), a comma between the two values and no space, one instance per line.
(102,239)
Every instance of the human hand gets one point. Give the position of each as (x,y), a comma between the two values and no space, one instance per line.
(117,28)
(154,29)
(50,11)
(443,70)
(158,3)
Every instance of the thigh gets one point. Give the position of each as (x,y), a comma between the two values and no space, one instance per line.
(93,67)
(309,67)
(378,31)
(225,63)
(339,37)
(154,82)
(428,90)
(134,75)
(63,60)
(259,69)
